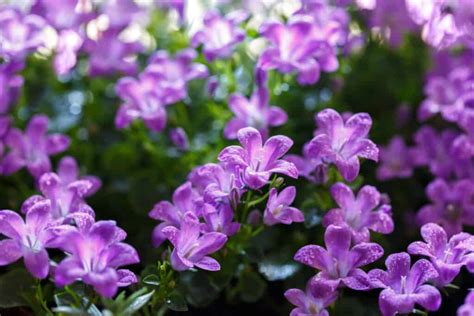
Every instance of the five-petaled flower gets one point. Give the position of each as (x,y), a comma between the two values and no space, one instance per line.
(32,148)
(191,248)
(339,263)
(403,287)
(360,214)
(259,161)
(343,142)
(94,256)
(447,257)
(278,208)
(314,301)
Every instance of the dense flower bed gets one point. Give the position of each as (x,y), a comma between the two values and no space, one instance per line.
(242,153)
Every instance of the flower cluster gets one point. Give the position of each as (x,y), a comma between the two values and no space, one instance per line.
(61,219)
(445,23)
(162,83)
(202,214)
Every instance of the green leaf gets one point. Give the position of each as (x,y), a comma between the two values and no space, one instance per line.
(138,303)
(152,280)
(13,285)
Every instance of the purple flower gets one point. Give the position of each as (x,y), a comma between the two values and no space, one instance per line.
(434,149)
(217,183)
(331,21)
(392,18)
(339,264)
(172,74)
(179,138)
(69,43)
(445,23)
(278,208)
(10,84)
(65,191)
(177,5)
(314,301)
(448,94)
(404,286)
(468,306)
(360,214)
(342,143)
(298,47)
(447,257)
(141,100)
(63,14)
(395,160)
(33,148)
(121,13)
(452,205)
(220,34)
(258,162)
(94,257)
(185,199)
(191,249)
(219,220)
(311,168)
(28,239)
(255,112)
(19,34)
(109,55)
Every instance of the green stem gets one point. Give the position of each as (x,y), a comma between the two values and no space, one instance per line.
(259,200)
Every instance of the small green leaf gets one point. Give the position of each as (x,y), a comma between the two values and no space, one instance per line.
(138,303)
(151,279)
(252,286)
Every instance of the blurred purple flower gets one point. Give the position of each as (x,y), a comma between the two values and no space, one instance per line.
(172,74)
(360,214)
(331,21)
(339,263)
(219,220)
(278,209)
(179,138)
(28,239)
(445,23)
(19,34)
(393,20)
(342,143)
(69,43)
(314,301)
(468,307)
(297,47)
(447,257)
(10,84)
(404,286)
(452,205)
(433,149)
(259,161)
(449,94)
(63,14)
(177,5)
(185,199)
(220,34)
(396,160)
(192,248)
(141,100)
(109,55)
(32,148)
(121,13)
(255,112)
